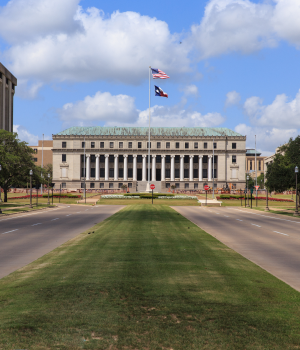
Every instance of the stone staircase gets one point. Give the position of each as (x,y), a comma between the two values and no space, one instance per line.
(141,186)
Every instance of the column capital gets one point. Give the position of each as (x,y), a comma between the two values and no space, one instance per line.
(200,156)
(125,155)
(88,155)
(144,155)
(97,155)
(210,156)
(191,156)
(163,156)
(116,155)
(153,156)
(182,156)
(172,155)
(106,155)
(134,155)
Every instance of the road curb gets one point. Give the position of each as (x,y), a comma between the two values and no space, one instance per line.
(25,211)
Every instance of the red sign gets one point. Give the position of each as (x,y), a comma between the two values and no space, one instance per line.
(206,187)
(152,187)
(256,187)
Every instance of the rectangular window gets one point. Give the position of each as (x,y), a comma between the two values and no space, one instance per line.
(177,159)
(120,144)
(102,172)
(64,144)
(177,173)
(177,145)
(186,159)
(167,144)
(111,185)
(215,159)
(158,145)
(168,159)
(195,159)
(111,158)
(215,145)
(121,172)
(186,145)
(168,185)
(130,158)
(121,158)
(102,158)
(205,159)
(176,185)
(148,144)
(92,172)
(63,185)
(139,158)
(101,184)
(233,159)
(186,186)
(205,145)
(92,144)
(195,186)
(250,164)
(129,185)
(233,145)
(92,185)
(35,159)
(111,172)
(82,144)
(139,145)
(82,172)
(168,173)
(101,144)
(215,173)
(129,144)
(35,150)
(130,172)
(63,157)
(196,145)
(205,173)
(195,173)
(111,145)
(82,185)
(259,165)
(93,158)
(186,173)
(120,184)
(158,159)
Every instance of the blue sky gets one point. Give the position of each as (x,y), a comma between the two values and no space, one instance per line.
(232,63)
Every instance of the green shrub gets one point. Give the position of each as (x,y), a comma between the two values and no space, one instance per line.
(65,195)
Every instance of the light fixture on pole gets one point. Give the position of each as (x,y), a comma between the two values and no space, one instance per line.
(247,191)
(30,173)
(296,211)
(48,190)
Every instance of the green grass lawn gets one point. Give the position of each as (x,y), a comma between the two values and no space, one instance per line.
(22,209)
(131,201)
(146,278)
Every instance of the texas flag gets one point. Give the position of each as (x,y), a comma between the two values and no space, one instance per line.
(159,92)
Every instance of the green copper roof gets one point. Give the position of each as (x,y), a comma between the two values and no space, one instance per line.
(135,131)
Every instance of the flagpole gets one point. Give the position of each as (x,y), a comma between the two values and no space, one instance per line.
(255,168)
(213,194)
(148,184)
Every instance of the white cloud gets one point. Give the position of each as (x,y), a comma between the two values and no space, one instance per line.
(28,90)
(281,113)
(267,138)
(191,90)
(120,110)
(25,135)
(119,48)
(27,20)
(232,98)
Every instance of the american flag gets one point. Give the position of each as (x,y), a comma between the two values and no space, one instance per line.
(159,74)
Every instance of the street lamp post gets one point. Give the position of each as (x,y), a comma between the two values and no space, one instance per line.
(0,188)
(30,173)
(247,191)
(296,211)
(48,190)
(267,203)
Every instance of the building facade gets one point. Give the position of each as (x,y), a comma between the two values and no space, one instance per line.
(109,157)
(8,84)
(43,154)
(250,163)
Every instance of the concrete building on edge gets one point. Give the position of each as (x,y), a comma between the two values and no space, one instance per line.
(109,157)
(7,91)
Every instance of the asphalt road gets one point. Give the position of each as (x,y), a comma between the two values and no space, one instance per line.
(28,236)
(269,240)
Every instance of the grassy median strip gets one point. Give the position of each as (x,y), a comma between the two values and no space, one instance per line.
(146,278)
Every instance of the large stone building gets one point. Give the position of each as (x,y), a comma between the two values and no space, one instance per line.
(7,90)
(43,153)
(118,155)
(250,162)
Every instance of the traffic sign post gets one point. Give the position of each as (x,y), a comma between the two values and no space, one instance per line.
(256,187)
(152,186)
(206,187)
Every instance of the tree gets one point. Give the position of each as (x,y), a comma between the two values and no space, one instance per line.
(16,161)
(250,181)
(261,180)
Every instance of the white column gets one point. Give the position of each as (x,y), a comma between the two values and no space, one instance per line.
(172,167)
(181,167)
(191,168)
(154,167)
(163,168)
(9,105)
(134,168)
(97,166)
(125,170)
(209,168)
(200,168)
(106,167)
(3,100)
(144,178)
(88,166)
(116,167)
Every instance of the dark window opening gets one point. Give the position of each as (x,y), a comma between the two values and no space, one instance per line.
(233,145)
(205,145)
(177,145)
(64,144)
(177,159)
(167,144)
(195,144)
(233,159)
(129,144)
(168,159)
(101,144)
(92,144)
(63,157)
(158,145)
(139,145)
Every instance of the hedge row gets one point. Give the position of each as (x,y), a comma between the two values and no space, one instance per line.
(63,195)
(146,195)
(233,196)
